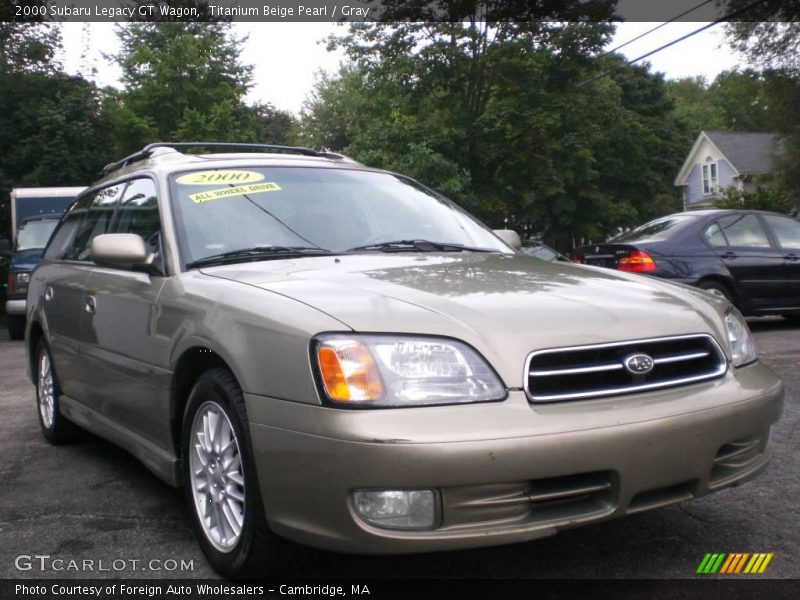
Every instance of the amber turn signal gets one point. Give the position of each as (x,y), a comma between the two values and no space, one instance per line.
(348,371)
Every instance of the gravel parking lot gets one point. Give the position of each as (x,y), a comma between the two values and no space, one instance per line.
(91,501)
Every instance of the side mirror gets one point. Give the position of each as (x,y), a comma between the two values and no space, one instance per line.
(120,251)
(510,237)
(5,247)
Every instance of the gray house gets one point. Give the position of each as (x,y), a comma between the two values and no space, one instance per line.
(719,160)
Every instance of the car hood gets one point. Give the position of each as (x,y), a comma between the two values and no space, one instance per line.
(504,305)
(26,260)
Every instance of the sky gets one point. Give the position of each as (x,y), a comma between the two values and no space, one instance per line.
(288,56)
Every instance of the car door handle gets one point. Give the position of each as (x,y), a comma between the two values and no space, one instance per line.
(91,305)
(729,255)
(791,256)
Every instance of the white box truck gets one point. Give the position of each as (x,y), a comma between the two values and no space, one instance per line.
(34,215)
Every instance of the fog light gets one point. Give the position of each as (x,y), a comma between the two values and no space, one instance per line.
(397,509)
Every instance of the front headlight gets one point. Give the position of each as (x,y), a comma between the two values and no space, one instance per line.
(378,371)
(21,281)
(743,350)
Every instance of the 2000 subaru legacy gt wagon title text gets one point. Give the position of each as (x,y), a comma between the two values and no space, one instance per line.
(337,355)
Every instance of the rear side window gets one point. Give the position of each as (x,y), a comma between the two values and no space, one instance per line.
(89,217)
(743,231)
(714,236)
(786,230)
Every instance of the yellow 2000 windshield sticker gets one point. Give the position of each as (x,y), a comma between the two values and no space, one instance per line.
(217,177)
(239,190)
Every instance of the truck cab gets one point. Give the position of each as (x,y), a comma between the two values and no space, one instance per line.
(35,212)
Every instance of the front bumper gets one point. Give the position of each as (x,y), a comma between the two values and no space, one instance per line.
(16,306)
(511,471)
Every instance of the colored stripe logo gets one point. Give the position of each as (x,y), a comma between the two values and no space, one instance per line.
(734,563)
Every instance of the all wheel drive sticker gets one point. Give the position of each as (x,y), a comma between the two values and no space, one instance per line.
(229,177)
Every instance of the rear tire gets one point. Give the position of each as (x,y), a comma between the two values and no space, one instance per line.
(56,428)
(220,480)
(16,326)
(717,288)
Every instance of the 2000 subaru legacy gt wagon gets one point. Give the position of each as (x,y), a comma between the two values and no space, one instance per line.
(337,355)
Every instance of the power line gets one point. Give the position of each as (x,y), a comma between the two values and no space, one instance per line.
(657,27)
(673,42)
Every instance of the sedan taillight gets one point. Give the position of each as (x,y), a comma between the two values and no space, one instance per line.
(637,261)
(12,283)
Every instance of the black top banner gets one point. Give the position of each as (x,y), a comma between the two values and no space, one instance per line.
(389,10)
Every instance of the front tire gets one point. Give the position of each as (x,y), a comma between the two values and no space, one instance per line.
(221,485)
(55,427)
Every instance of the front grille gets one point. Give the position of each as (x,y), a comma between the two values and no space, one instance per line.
(599,369)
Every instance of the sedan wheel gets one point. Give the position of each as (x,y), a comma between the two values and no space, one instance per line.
(717,289)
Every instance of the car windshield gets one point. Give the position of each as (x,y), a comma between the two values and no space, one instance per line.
(656,231)
(541,251)
(35,234)
(221,211)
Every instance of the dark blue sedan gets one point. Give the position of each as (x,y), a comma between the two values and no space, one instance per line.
(750,257)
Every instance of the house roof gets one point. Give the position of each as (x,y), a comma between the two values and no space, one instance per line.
(747,153)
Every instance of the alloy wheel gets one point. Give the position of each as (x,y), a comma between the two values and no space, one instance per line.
(46,390)
(217,476)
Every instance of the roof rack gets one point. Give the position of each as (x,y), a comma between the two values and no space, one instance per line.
(147,151)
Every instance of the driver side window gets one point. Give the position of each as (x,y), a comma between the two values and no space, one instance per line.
(137,212)
(89,217)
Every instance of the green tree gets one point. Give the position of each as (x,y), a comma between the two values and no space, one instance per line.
(734,101)
(742,99)
(769,196)
(29,47)
(693,107)
(270,125)
(767,33)
(52,127)
(180,80)
(8,10)
(493,116)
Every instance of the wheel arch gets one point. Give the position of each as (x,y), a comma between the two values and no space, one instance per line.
(192,363)
(35,334)
(720,280)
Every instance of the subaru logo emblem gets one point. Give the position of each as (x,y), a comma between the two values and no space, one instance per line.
(638,364)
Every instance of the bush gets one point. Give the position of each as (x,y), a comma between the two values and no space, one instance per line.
(770,196)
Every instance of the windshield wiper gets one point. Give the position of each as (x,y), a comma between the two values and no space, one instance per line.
(418,246)
(258,253)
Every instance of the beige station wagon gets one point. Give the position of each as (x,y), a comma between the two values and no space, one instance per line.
(337,355)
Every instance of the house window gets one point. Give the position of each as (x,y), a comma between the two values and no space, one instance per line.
(710,181)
